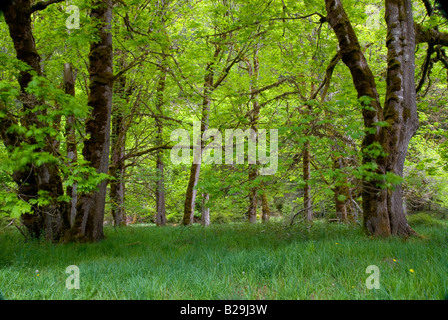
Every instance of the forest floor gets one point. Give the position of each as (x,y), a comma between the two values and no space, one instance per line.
(232,261)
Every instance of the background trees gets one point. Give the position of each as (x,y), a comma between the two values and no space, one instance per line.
(334,77)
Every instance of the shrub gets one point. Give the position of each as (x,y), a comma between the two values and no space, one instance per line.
(424,219)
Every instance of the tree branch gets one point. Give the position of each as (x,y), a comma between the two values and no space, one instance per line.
(42,5)
(131,65)
(432,36)
(226,70)
(149,150)
(328,74)
(425,67)
(281,96)
(441,56)
(268,87)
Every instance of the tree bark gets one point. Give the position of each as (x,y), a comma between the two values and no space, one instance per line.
(400,108)
(253,201)
(307,201)
(253,70)
(118,147)
(90,209)
(117,170)
(265,211)
(70,133)
(341,191)
(160,186)
(205,210)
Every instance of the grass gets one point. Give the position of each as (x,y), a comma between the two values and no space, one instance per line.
(235,261)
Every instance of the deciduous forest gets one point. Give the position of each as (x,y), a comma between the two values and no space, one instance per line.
(223,149)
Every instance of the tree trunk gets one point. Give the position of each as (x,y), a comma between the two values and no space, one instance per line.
(90,210)
(253,70)
(53,217)
(70,133)
(341,205)
(118,148)
(160,191)
(307,201)
(382,208)
(190,198)
(117,169)
(160,186)
(400,108)
(265,212)
(341,192)
(209,87)
(252,212)
(205,210)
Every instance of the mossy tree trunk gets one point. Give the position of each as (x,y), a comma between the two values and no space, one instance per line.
(70,134)
(400,108)
(32,179)
(341,190)
(265,211)
(90,209)
(118,146)
(307,201)
(382,207)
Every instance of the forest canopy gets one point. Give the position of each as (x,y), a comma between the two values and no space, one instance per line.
(347,99)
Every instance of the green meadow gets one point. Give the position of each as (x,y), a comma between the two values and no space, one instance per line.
(232,261)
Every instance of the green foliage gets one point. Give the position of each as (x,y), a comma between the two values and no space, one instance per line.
(425,220)
(425,175)
(13,206)
(86,178)
(184,37)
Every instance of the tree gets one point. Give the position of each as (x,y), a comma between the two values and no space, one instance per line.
(390,127)
(212,80)
(34,181)
(72,149)
(118,146)
(90,209)
(253,69)
(160,184)
(234,64)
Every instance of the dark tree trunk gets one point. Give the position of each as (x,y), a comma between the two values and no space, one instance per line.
(160,186)
(253,70)
(90,209)
(382,208)
(252,212)
(70,133)
(160,191)
(53,217)
(341,192)
(118,148)
(117,169)
(265,212)
(307,201)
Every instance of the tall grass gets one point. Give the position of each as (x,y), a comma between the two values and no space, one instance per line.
(234,261)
